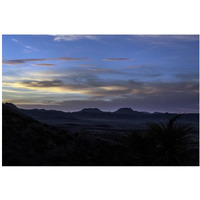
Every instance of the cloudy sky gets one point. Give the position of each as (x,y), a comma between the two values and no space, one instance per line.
(72,72)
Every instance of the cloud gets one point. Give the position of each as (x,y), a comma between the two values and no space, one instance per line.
(116,59)
(178,37)
(164,99)
(150,96)
(68,58)
(87,65)
(186,77)
(44,64)
(12,62)
(53,86)
(23,61)
(132,67)
(91,84)
(163,39)
(101,70)
(42,84)
(14,40)
(149,102)
(27,48)
(20,61)
(75,37)
(184,37)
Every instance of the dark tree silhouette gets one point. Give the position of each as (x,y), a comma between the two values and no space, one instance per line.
(172,141)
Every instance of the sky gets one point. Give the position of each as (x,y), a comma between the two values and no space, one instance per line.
(153,73)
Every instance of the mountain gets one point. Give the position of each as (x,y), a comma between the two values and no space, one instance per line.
(19,135)
(10,111)
(91,114)
(41,114)
(27,142)
(126,111)
(11,105)
(91,110)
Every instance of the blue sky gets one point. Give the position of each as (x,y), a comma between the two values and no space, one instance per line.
(71,72)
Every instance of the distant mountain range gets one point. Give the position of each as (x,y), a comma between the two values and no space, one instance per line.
(94,113)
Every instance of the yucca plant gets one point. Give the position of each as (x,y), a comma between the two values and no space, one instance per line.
(172,142)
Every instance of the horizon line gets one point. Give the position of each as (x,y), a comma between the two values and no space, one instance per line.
(142,111)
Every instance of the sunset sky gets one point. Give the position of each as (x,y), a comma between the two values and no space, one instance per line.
(154,73)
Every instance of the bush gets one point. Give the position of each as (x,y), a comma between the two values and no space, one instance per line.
(162,144)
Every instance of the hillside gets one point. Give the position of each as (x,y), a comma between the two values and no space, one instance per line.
(27,142)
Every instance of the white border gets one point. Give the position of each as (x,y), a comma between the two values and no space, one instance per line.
(99,17)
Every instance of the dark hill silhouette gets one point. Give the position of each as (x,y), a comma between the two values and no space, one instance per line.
(42,114)
(91,110)
(27,142)
(39,113)
(19,133)
(10,112)
(11,105)
(91,114)
(126,111)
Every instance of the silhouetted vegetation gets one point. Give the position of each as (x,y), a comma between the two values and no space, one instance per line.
(27,142)
(172,141)
(165,144)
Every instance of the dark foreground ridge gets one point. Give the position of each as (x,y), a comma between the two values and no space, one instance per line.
(29,142)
